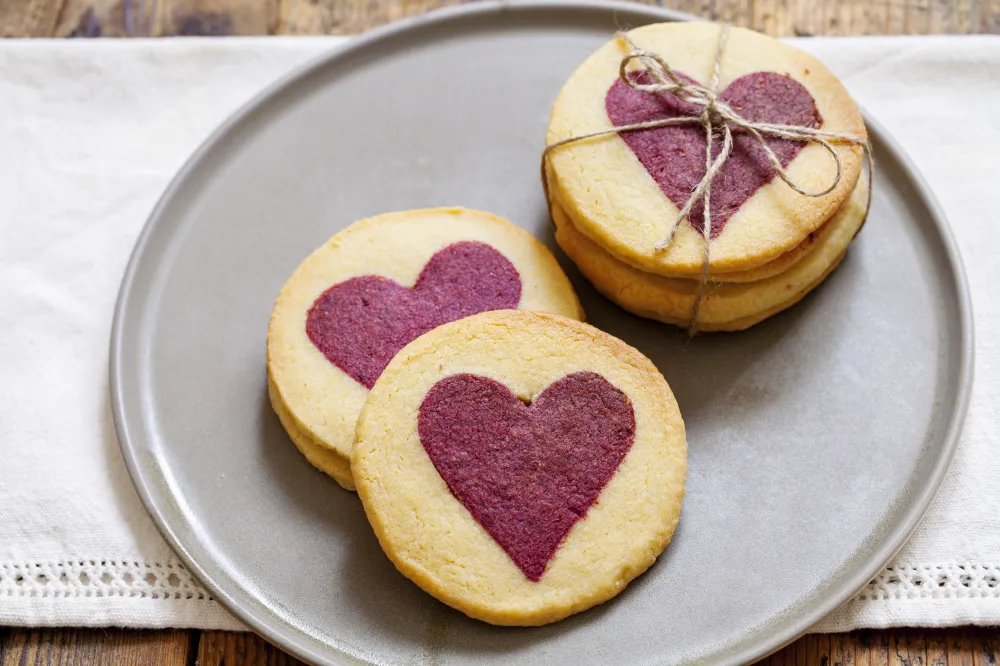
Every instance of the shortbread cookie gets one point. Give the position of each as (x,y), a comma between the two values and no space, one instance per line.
(371,289)
(625,190)
(326,460)
(724,306)
(521,466)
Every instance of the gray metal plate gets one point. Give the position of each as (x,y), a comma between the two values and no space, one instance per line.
(817,439)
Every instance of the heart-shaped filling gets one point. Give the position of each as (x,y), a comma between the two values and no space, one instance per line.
(361,323)
(526,473)
(675,156)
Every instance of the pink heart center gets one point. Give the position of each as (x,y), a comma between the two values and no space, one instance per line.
(361,323)
(526,473)
(675,156)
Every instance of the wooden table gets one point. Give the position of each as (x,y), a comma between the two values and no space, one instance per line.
(116,647)
(135,18)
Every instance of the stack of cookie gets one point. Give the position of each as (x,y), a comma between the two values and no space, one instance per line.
(615,197)
(415,357)
(375,287)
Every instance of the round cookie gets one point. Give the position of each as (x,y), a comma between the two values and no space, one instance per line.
(375,286)
(724,306)
(625,190)
(324,459)
(521,466)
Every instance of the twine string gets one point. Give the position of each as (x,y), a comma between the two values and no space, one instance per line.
(711,168)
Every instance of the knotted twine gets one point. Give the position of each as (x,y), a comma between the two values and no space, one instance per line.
(714,114)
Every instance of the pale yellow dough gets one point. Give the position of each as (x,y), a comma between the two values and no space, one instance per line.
(602,185)
(325,460)
(433,539)
(725,306)
(321,402)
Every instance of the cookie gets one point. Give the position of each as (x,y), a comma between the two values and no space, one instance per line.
(521,466)
(625,190)
(326,460)
(377,285)
(724,306)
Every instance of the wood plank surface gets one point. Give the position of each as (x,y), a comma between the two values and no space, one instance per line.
(222,648)
(96,647)
(904,647)
(135,18)
(119,647)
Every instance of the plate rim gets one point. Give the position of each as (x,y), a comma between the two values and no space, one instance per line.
(294,640)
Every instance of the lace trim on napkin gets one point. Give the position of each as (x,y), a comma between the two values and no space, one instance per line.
(934,581)
(99,578)
(130,578)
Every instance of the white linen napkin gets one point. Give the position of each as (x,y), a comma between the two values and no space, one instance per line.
(92,131)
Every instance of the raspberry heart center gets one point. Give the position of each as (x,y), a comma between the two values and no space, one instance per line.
(526,473)
(361,323)
(674,156)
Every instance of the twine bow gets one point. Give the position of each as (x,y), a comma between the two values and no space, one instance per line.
(713,113)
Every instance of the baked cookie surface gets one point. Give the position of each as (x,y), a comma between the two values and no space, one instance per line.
(521,466)
(625,190)
(377,285)
(724,306)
